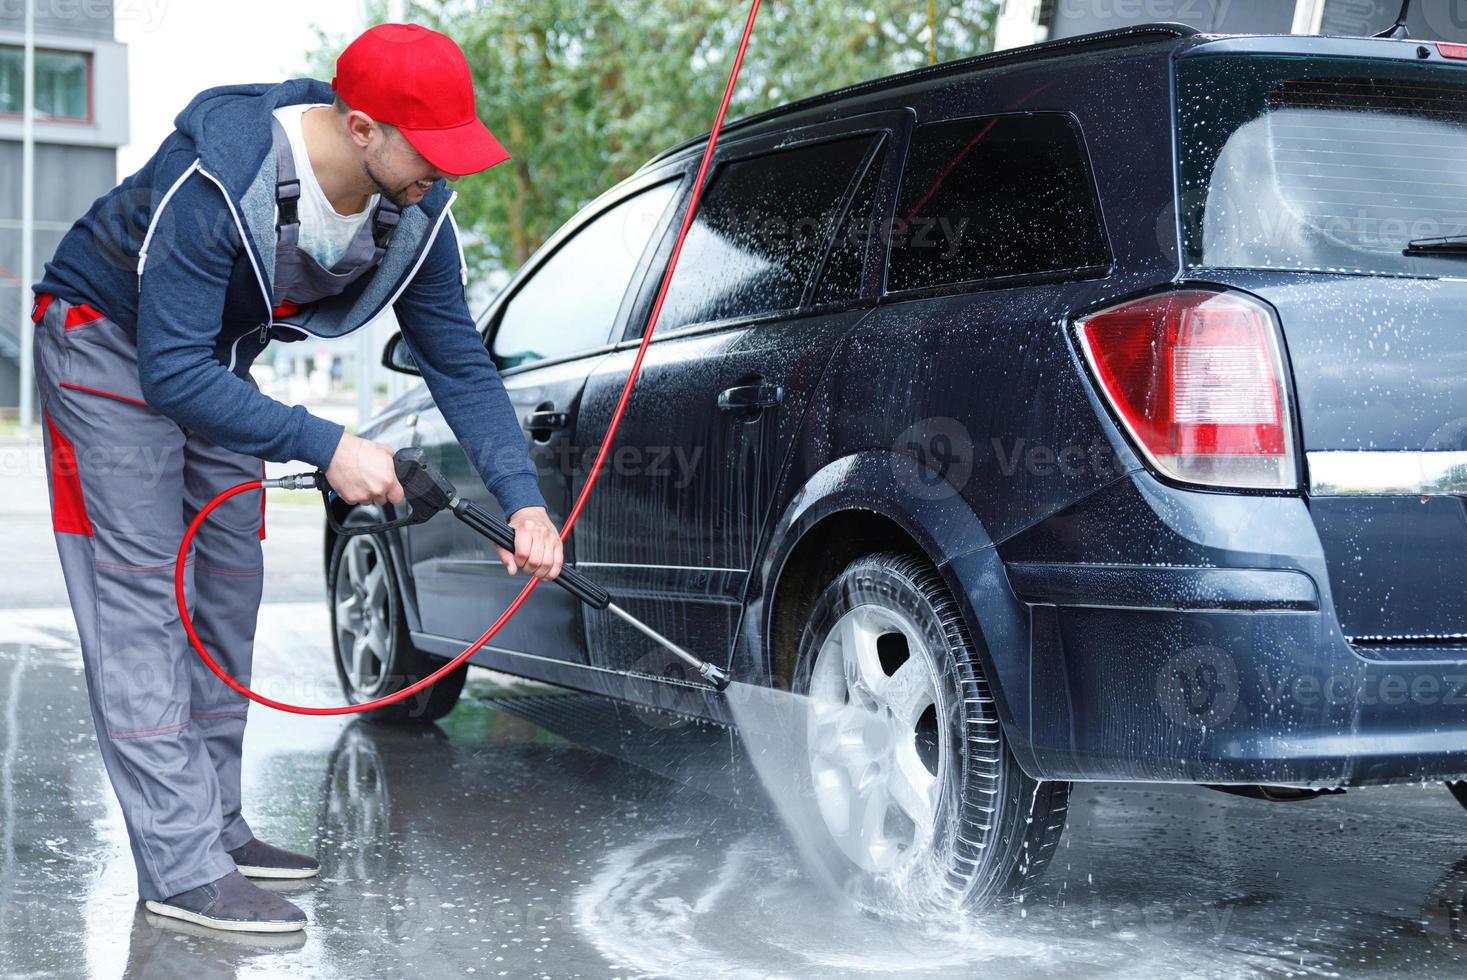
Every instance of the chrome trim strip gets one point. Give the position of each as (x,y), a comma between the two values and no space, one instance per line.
(1350,473)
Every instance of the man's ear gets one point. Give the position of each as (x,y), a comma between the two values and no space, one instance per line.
(360,126)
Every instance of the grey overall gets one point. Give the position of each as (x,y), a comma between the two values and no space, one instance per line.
(125,481)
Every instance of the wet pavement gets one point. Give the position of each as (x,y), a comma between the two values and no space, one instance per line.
(599,841)
(491,846)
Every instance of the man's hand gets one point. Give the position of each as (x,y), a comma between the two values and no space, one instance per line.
(361,472)
(537,545)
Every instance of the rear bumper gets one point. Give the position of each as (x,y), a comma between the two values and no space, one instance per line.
(1253,697)
(1182,636)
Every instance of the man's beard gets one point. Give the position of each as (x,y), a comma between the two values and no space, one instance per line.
(398,197)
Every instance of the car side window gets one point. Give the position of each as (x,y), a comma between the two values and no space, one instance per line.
(762,226)
(846,265)
(569,304)
(995,196)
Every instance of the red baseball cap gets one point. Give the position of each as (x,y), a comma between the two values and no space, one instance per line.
(418,80)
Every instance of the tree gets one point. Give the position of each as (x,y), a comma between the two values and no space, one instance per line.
(582,92)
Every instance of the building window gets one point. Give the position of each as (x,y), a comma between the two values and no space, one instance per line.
(63,84)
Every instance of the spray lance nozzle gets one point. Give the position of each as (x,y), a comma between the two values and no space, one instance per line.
(426,491)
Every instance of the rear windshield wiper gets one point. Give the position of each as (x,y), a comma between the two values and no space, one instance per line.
(1453,245)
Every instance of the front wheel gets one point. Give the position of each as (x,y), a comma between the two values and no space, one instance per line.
(374,652)
(908,764)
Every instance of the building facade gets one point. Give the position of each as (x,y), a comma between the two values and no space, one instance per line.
(81,120)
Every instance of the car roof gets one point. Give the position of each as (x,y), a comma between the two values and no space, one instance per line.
(1122,38)
(1183,39)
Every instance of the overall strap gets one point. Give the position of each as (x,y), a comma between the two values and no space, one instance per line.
(385,217)
(384,226)
(287,188)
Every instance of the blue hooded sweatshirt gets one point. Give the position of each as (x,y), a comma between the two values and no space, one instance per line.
(181,255)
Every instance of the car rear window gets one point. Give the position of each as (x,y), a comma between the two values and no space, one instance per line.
(1321,164)
(995,197)
(762,226)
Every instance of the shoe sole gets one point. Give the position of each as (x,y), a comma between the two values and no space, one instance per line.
(226,925)
(249,871)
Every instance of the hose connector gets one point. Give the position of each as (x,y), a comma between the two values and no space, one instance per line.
(315,480)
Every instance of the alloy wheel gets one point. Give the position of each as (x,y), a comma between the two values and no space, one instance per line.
(363,614)
(876,751)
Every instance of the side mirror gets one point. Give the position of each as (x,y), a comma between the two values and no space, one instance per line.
(396,357)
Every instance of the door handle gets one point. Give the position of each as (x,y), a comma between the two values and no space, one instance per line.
(750,398)
(544,423)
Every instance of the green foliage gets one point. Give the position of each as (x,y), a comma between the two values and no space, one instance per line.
(582,92)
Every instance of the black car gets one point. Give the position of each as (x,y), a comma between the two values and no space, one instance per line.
(1091,411)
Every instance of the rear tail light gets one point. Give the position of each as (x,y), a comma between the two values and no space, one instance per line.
(1197,380)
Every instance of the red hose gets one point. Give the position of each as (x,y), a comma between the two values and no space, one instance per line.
(591,477)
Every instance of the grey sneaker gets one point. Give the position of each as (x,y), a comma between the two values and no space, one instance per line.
(233,904)
(256,859)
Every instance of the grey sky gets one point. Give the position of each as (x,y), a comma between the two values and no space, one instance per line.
(178,47)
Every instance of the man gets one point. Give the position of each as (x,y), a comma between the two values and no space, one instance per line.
(272,211)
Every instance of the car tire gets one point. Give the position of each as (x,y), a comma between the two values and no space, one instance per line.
(371,646)
(989,828)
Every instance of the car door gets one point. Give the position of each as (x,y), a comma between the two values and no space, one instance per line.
(782,260)
(548,329)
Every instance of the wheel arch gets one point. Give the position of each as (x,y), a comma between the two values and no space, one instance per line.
(882,500)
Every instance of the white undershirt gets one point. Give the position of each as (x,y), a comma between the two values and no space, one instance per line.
(324,233)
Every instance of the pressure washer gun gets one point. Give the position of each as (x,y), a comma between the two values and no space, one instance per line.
(427,491)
